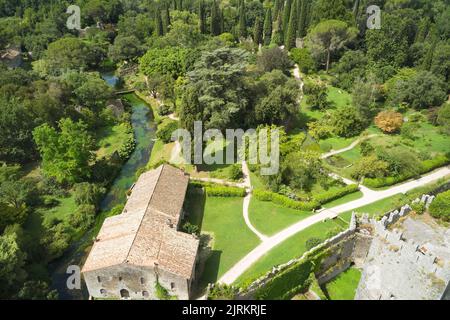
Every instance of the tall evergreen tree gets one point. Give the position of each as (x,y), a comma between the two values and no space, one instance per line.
(166,19)
(276,9)
(278,35)
(242,25)
(302,18)
(201,16)
(222,21)
(257,31)
(286,14)
(292,28)
(215,19)
(268,27)
(159,31)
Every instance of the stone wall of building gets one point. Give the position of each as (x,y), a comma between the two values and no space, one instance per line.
(139,283)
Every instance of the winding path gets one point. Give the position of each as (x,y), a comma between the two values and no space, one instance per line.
(238,269)
(350,147)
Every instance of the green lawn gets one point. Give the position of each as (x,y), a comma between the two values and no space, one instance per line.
(111,139)
(348,198)
(339,97)
(269,218)
(232,240)
(344,286)
(336,143)
(292,248)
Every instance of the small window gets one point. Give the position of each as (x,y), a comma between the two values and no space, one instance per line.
(102,291)
(172,285)
(98,279)
(142,280)
(120,278)
(145,294)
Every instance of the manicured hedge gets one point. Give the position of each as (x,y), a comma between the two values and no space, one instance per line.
(427,166)
(285,201)
(225,191)
(335,194)
(440,207)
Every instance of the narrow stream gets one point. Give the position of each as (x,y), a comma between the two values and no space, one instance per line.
(144,132)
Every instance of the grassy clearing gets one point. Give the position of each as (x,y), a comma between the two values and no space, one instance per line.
(269,218)
(348,198)
(292,248)
(344,286)
(222,219)
(339,97)
(161,152)
(111,139)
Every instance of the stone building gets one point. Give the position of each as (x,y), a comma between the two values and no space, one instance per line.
(142,249)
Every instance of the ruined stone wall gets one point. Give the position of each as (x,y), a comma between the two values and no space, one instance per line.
(396,268)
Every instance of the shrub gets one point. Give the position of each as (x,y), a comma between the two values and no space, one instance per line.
(222,292)
(335,194)
(418,207)
(165,131)
(127,148)
(162,293)
(222,191)
(440,207)
(191,228)
(83,217)
(164,110)
(236,172)
(303,58)
(88,193)
(285,201)
(312,243)
(389,121)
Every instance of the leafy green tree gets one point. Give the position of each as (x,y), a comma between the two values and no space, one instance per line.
(221,95)
(267,27)
(366,96)
(274,58)
(16,126)
(329,36)
(170,61)
(369,167)
(36,290)
(443,117)
(347,122)
(66,154)
(351,67)
(330,10)
(317,95)
(12,263)
(423,90)
(83,217)
(88,193)
(125,48)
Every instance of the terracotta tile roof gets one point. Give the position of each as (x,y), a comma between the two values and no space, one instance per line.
(145,233)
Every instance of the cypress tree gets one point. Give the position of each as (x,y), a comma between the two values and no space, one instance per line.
(302,19)
(278,37)
(202,16)
(175,5)
(286,14)
(276,9)
(222,22)
(166,20)
(158,23)
(268,27)
(242,27)
(292,28)
(215,19)
(257,31)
